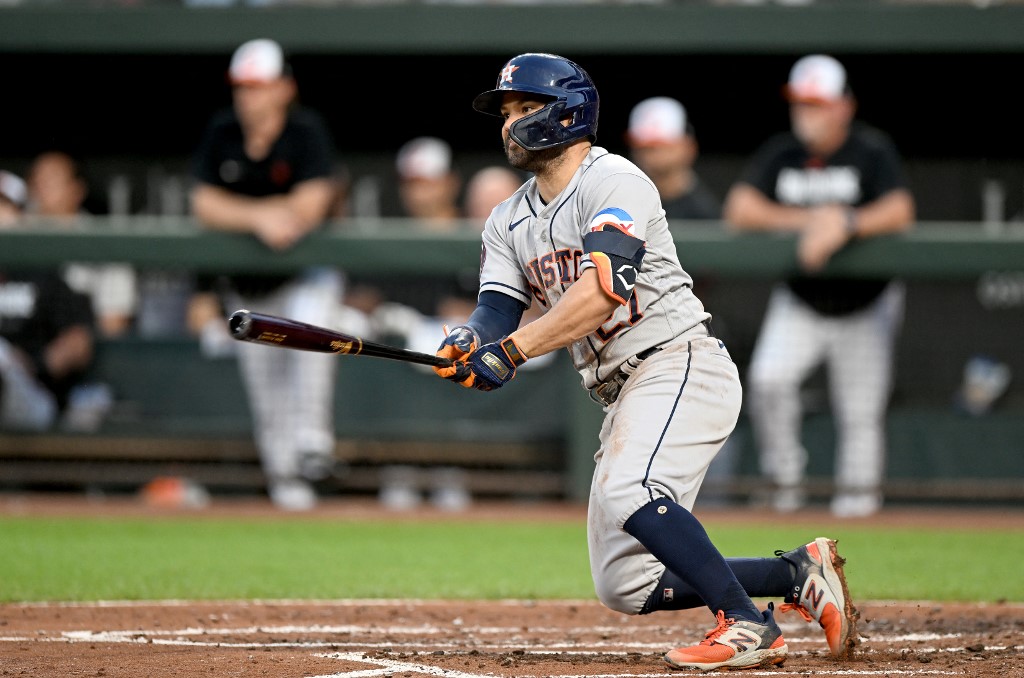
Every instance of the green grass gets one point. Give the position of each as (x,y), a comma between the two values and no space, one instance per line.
(44,559)
(906,563)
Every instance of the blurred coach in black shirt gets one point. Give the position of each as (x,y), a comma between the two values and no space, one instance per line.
(265,167)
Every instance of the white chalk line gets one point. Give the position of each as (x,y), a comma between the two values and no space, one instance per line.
(389,667)
(509,633)
(602,647)
(512,640)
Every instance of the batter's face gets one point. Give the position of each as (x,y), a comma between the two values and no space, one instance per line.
(516,105)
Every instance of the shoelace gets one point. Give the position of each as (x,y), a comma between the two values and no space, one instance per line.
(785,607)
(723,626)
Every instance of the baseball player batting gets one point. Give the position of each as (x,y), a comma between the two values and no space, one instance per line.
(586,237)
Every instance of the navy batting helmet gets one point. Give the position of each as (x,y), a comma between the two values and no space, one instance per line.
(571,91)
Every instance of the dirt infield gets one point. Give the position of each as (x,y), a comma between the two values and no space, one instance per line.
(478,639)
(360,639)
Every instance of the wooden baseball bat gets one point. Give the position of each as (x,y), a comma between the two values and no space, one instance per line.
(272,330)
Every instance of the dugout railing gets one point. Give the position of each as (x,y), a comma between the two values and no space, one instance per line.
(180,411)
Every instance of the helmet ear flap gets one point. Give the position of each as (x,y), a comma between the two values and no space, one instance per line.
(542,129)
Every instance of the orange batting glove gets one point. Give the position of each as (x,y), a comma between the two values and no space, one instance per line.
(458,343)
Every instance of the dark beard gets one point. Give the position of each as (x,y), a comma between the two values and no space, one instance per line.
(530,161)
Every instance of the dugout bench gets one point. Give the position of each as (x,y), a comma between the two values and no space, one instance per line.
(179,412)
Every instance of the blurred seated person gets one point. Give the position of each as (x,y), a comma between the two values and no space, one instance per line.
(488,187)
(46,337)
(428,185)
(13,194)
(57,192)
(662,143)
(421,330)
(428,193)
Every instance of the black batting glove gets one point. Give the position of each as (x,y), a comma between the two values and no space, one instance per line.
(493,365)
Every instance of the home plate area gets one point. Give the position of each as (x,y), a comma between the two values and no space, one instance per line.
(473,639)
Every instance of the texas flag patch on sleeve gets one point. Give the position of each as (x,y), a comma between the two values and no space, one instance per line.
(614,217)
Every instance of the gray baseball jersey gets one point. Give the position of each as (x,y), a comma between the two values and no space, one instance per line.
(534,251)
(658,437)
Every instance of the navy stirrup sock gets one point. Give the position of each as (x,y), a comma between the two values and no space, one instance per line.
(676,538)
(759,577)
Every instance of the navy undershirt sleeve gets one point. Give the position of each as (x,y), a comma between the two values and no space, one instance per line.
(496,315)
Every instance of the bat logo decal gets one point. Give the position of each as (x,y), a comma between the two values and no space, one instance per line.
(271,336)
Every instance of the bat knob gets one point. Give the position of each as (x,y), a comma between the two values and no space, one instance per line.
(239,323)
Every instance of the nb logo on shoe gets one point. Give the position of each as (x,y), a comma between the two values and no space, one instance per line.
(744,640)
(813,595)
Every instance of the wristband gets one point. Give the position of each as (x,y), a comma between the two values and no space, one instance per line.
(511,349)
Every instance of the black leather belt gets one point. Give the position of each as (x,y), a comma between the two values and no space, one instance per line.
(647,353)
(644,355)
(607,392)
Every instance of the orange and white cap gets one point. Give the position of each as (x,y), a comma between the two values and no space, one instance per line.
(424,158)
(257,62)
(816,79)
(656,121)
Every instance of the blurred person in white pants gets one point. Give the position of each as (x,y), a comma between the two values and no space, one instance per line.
(832,181)
(266,167)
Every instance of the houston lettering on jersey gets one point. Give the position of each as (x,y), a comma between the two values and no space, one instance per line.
(561,267)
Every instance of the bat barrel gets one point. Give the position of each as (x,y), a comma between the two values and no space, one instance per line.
(270,330)
(240,323)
